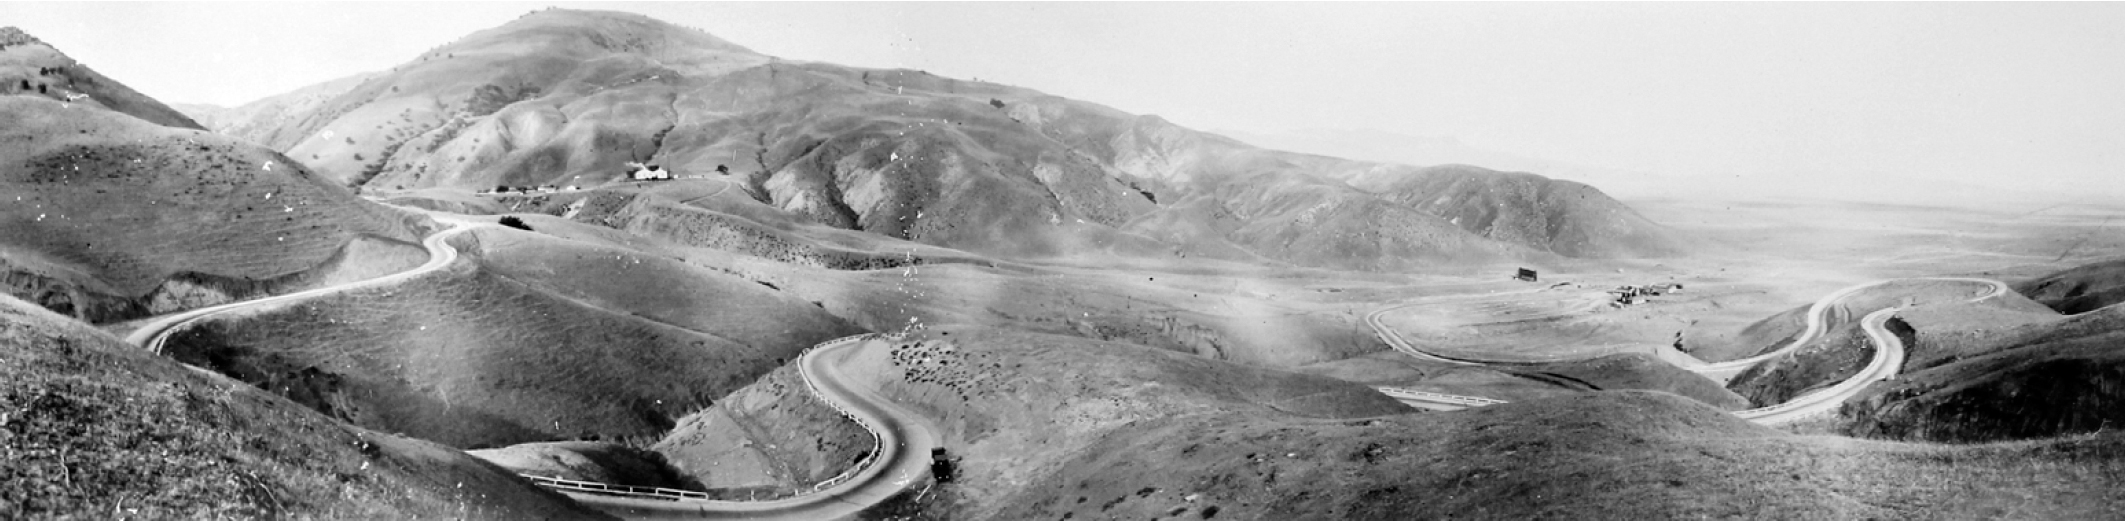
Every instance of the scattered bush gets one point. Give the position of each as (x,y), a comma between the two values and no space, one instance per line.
(490,97)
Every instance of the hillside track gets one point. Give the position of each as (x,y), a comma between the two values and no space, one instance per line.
(902,439)
(1888,356)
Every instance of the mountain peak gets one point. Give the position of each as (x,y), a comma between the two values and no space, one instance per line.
(576,30)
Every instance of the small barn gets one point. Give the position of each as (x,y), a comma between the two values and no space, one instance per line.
(1525,274)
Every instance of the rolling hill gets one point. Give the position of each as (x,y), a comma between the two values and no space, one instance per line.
(120,208)
(1568,218)
(568,97)
(30,67)
(527,339)
(2079,290)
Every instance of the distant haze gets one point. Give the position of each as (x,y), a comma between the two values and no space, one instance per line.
(1881,98)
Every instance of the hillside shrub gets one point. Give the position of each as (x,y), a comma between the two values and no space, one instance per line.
(513,222)
(489,98)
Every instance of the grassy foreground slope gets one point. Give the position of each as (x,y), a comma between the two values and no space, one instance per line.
(94,428)
(1626,455)
(525,339)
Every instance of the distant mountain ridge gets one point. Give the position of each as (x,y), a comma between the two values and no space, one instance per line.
(568,97)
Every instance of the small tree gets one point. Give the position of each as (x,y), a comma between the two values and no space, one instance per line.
(993,102)
(513,222)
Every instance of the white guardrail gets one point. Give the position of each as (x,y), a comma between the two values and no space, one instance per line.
(659,493)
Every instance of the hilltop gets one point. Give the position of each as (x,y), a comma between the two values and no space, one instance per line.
(568,97)
(30,67)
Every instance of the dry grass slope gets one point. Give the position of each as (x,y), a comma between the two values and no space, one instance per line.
(474,356)
(97,429)
(569,97)
(109,217)
(1629,455)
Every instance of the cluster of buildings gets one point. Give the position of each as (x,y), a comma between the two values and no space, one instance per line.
(542,189)
(637,171)
(1634,294)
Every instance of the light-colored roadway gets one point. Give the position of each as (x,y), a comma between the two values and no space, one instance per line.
(903,440)
(1888,358)
(903,459)
(152,334)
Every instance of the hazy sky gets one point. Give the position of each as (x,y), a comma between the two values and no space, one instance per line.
(2018,95)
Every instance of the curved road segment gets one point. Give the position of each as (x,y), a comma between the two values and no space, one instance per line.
(1888,359)
(903,442)
(152,334)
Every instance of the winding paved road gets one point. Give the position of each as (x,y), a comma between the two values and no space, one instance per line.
(903,440)
(904,443)
(152,334)
(1888,358)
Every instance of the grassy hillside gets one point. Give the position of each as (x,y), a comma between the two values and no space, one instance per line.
(1628,455)
(1568,218)
(1277,317)
(1009,402)
(111,217)
(271,121)
(569,97)
(1992,374)
(525,339)
(31,68)
(1045,427)
(121,208)
(2080,289)
(96,429)
(1617,372)
(773,438)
